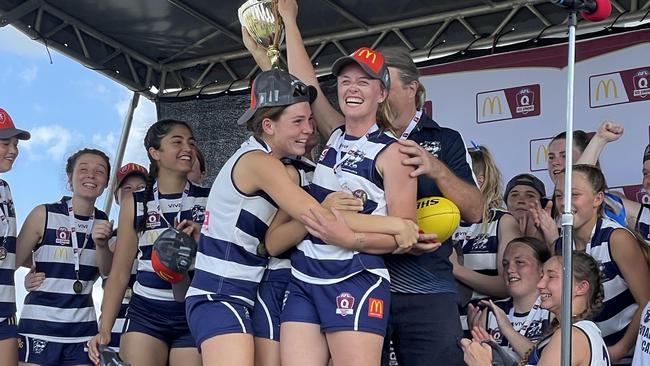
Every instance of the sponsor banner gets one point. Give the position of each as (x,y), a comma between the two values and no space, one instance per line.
(633,193)
(538,151)
(511,103)
(619,87)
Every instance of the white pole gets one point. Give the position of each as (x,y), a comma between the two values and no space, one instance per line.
(119,154)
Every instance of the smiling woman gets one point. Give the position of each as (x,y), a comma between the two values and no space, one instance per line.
(67,241)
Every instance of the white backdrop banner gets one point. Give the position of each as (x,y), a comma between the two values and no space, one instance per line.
(514,103)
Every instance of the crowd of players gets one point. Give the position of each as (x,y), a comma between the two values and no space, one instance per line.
(310,260)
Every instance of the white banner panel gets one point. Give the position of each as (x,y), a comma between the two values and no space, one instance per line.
(514,103)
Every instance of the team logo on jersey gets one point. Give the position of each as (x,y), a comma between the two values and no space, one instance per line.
(646,317)
(496,334)
(480,243)
(534,330)
(432,147)
(198,213)
(153,220)
(38,346)
(20,343)
(345,304)
(375,308)
(354,157)
(62,236)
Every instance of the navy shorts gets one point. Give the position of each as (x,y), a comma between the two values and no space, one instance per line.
(164,320)
(268,308)
(359,303)
(209,317)
(46,353)
(8,328)
(425,330)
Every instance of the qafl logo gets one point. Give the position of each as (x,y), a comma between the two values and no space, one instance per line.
(525,101)
(153,220)
(62,236)
(641,88)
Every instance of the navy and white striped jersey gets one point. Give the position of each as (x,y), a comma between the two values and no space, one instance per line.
(619,305)
(643,222)
(120,320)
(54,312)
(148,284)
(8,264)
(317,262)
(480,244)
(599,355)
(227,265)
(279,268)
(532,324)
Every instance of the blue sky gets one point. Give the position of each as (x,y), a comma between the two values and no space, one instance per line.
(66,107)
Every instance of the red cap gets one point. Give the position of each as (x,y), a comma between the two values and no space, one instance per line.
(371,61)
(129,169)
(8,130)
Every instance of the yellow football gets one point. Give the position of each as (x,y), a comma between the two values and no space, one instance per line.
(438,215)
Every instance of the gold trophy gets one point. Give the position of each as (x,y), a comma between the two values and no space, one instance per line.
(263,22)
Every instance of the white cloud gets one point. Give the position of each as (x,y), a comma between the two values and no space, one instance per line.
(47,142)
(29,74)
(106,143)
(15,42)
(144,116)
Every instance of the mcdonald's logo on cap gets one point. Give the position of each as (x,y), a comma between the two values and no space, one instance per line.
(491,101)
(375,308)
(605,87)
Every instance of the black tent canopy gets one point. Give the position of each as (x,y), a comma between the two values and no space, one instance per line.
(187,47)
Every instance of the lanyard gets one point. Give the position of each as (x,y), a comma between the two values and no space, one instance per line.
(412,124)
(532,314)
(341,156)
(4,218)
(76,252)
(156,199)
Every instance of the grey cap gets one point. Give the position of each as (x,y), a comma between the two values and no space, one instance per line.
(277,88)
(525,180)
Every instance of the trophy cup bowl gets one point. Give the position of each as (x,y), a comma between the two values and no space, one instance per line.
(263,23)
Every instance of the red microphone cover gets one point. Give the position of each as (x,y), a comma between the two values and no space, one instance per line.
(603,10)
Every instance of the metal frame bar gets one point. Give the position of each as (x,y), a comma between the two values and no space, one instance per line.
(445,49)
(160,70)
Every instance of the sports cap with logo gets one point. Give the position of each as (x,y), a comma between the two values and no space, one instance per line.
(371,61)
(525,180)
(276,88)
(128,170)
(171,258)
(646,154)
(8,130)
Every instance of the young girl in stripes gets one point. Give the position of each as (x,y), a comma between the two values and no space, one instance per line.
(66,240)
(622,258)
(156,331)
(9,137)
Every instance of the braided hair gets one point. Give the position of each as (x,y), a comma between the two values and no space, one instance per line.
(585,268)
(152,139)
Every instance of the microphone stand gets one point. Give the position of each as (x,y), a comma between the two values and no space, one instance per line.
(567,215)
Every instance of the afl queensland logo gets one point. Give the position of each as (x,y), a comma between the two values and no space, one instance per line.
(153,220)
(525,101)
(345,304)
(641,87)
(62,236)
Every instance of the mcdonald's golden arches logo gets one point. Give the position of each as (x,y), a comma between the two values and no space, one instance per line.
(61,253)
(375,308)
(368,54)
(543,157)
(492,102)
(606,88)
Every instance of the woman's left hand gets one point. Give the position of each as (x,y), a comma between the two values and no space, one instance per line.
(188,227)
(102,231)
(476,353)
